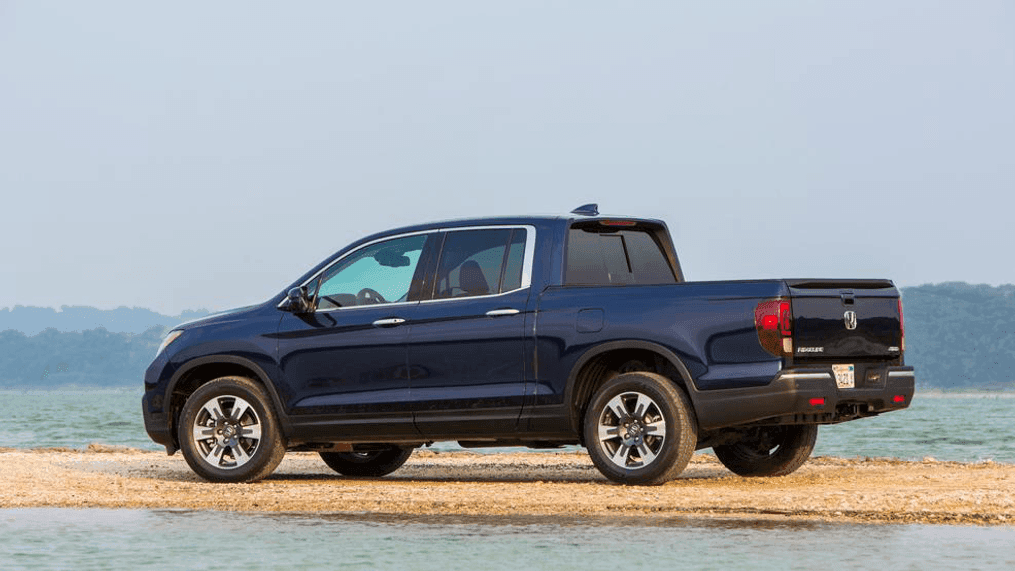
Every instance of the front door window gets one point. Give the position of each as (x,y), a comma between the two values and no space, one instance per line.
(385,272)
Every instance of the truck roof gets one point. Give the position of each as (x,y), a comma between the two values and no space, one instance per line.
(535,220)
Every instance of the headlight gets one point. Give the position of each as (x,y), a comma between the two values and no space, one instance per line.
(170,337)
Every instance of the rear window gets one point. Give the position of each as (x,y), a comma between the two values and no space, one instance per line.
(608,256)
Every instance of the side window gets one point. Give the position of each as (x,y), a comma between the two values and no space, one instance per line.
(615,257)
(480,262)
(515,261)
(379,273)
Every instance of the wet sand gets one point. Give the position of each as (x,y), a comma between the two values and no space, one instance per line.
(563,484)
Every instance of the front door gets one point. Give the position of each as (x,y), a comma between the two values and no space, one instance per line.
(345,364)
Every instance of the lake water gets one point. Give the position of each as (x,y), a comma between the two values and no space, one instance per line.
(168,539)
(961,427)
(970,428)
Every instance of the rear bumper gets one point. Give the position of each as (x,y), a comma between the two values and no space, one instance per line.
(806,396)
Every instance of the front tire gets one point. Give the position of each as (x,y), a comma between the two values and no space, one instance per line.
(770,450)
(228,431)
(640,429)
(367,464)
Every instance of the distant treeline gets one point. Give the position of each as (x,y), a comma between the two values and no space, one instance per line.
(958,336)
(32,320)
(94,357)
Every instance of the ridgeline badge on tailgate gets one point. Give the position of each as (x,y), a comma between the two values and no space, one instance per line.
(850,319)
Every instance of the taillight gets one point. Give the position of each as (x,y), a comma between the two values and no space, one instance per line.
(902,328)
(774,321)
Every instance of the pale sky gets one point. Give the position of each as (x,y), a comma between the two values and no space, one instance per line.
(204,154)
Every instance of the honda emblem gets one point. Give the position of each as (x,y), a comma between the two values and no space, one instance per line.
(850,318)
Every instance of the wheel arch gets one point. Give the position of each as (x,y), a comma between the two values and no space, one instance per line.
(601,363)
(202,370)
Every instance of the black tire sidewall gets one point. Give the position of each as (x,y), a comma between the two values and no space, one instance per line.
(267,448)
(384,463)
(675,411)
(794,449)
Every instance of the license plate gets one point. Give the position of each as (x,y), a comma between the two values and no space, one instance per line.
(844,377)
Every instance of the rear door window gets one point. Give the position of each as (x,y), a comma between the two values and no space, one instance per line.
(480,262)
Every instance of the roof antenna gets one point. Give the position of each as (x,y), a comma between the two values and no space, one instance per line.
(591,209)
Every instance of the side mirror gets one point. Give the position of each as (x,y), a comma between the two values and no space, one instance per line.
(297,300)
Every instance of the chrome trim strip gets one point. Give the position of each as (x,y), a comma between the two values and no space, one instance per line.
(530,252)
(371,306)
(805,376)
(487,296)
(901,374)
(388,321)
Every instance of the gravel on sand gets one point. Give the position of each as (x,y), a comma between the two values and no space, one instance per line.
(566,483)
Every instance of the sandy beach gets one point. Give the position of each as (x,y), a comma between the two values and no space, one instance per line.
(527,484)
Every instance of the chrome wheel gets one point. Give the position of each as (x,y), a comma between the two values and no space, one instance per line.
(226,432)
(632,430)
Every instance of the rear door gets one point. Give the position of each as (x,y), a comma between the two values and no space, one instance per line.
(466,342)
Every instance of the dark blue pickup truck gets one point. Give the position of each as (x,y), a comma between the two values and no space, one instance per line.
(529,331)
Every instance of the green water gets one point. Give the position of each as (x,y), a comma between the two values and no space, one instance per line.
(965,427)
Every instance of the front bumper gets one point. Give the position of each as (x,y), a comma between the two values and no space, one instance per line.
(157,424)
(808,396)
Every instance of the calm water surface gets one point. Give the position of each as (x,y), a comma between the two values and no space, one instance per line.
(961,427)
(103,539)
(948,427)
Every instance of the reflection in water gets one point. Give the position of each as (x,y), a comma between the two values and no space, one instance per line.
(174,539)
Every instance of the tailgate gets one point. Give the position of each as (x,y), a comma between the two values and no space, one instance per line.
(845,320)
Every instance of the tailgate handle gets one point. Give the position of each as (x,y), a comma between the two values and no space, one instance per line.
(847,297)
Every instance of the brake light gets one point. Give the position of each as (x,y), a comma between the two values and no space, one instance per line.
(899,398)
(902,328)
(819,401)
(774,321)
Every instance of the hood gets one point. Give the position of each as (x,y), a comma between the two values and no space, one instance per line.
(219,317)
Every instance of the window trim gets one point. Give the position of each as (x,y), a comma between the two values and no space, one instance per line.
(529,256)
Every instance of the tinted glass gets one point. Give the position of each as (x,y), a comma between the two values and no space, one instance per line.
(380,273)
(584,261)
(515,259)
(648,263)
(471,263)
(597,257)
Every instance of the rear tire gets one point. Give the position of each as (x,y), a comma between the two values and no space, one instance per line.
(370,464)
(640,429)
(770,450)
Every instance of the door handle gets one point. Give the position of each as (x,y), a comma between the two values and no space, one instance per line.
(499,312)
(389,322)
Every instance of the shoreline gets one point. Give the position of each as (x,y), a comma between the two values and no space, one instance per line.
(551,487)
